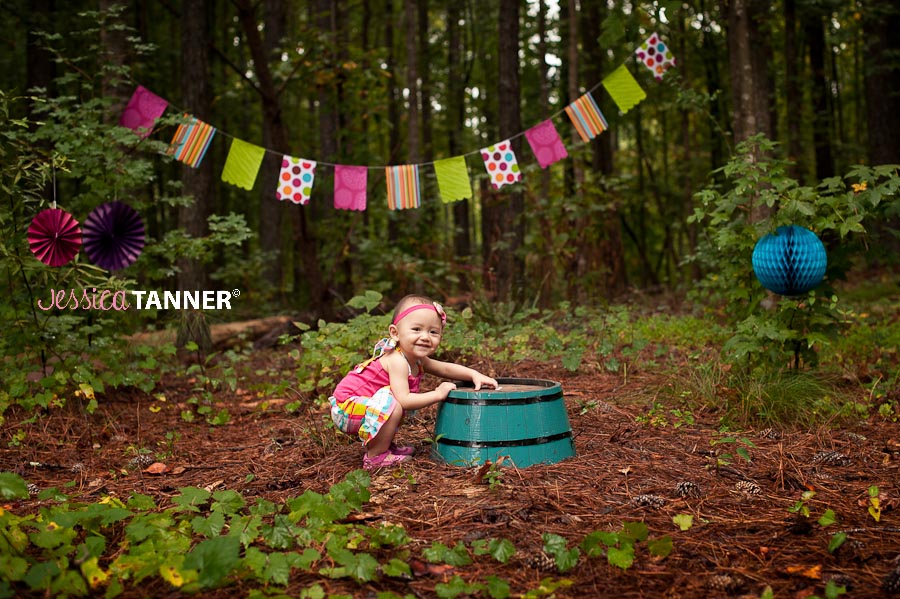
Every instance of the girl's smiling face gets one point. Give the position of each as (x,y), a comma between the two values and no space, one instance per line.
(418,333)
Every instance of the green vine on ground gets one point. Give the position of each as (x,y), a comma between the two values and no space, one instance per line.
(205,540)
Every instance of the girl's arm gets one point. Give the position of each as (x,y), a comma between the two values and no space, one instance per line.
(449,370)
(398,370)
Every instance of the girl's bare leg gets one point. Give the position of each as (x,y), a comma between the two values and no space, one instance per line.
(380,443)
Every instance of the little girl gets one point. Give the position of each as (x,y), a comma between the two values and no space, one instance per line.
(370,401)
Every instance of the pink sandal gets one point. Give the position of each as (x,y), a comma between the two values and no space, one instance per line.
(401,449)
(383,460)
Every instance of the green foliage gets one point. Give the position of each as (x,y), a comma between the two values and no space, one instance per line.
(620,547)
(765,399)
(500,549)
(740,445)
(683,521)
(760,197)
(203,540)
(75,343)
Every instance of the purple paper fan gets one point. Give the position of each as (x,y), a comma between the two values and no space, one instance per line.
(54,236)
(113,235)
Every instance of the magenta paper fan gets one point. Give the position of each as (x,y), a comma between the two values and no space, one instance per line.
(54,236)
(113,235)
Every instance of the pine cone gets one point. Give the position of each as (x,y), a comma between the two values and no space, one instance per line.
(140,462)
(831,458)
(33,489)
(687,488)
(769,433)
(747,487)
(651,501)
(725,582)
(841,580)
(541,561)
(76,468)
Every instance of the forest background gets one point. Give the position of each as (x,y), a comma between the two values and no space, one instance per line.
(623,270)
(383,83)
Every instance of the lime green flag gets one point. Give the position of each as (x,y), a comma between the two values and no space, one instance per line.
(242,164)
(623,89)
(453,179)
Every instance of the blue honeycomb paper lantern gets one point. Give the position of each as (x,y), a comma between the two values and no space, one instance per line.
(791,261)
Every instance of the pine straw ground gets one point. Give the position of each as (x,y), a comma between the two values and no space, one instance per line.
(624,471)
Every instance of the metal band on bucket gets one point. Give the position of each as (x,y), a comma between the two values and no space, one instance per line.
(516,443)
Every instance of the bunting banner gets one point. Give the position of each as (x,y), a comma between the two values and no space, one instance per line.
(191,142)
(242,164)
(453,179)
(546,144)
(402,186)
(501,164)
(350,187)
(586,117)
(142,110)
(656,56)
(623,89)
(296,179)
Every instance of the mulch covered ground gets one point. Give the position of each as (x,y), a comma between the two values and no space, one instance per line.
(742,540)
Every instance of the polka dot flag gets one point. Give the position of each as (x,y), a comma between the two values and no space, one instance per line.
(656,56)
(296,179)
(501,164)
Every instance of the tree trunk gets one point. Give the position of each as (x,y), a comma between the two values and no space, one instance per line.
(412,84)
(274,136)
(40,68)
(792,87)
(427,151)
(462,241)
(114,41)
(393,108)
(503,226)
(198,182)
(882,80)
(275,132)
(822,120)
(709,58)
(39,64)
(610,254)
(547,263)
(751,89)
(751,86)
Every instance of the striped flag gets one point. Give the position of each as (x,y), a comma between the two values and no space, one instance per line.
(402,186)
(587,118)
(191,142)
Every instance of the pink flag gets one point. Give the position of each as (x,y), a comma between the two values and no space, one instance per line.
(546,144)
(350,187)
(142,110)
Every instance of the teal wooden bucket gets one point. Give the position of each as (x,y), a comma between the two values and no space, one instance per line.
(524,419)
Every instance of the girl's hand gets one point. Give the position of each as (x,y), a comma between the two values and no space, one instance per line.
(444,389)
(481,380)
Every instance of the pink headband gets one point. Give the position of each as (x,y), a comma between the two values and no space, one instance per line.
(433,306)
